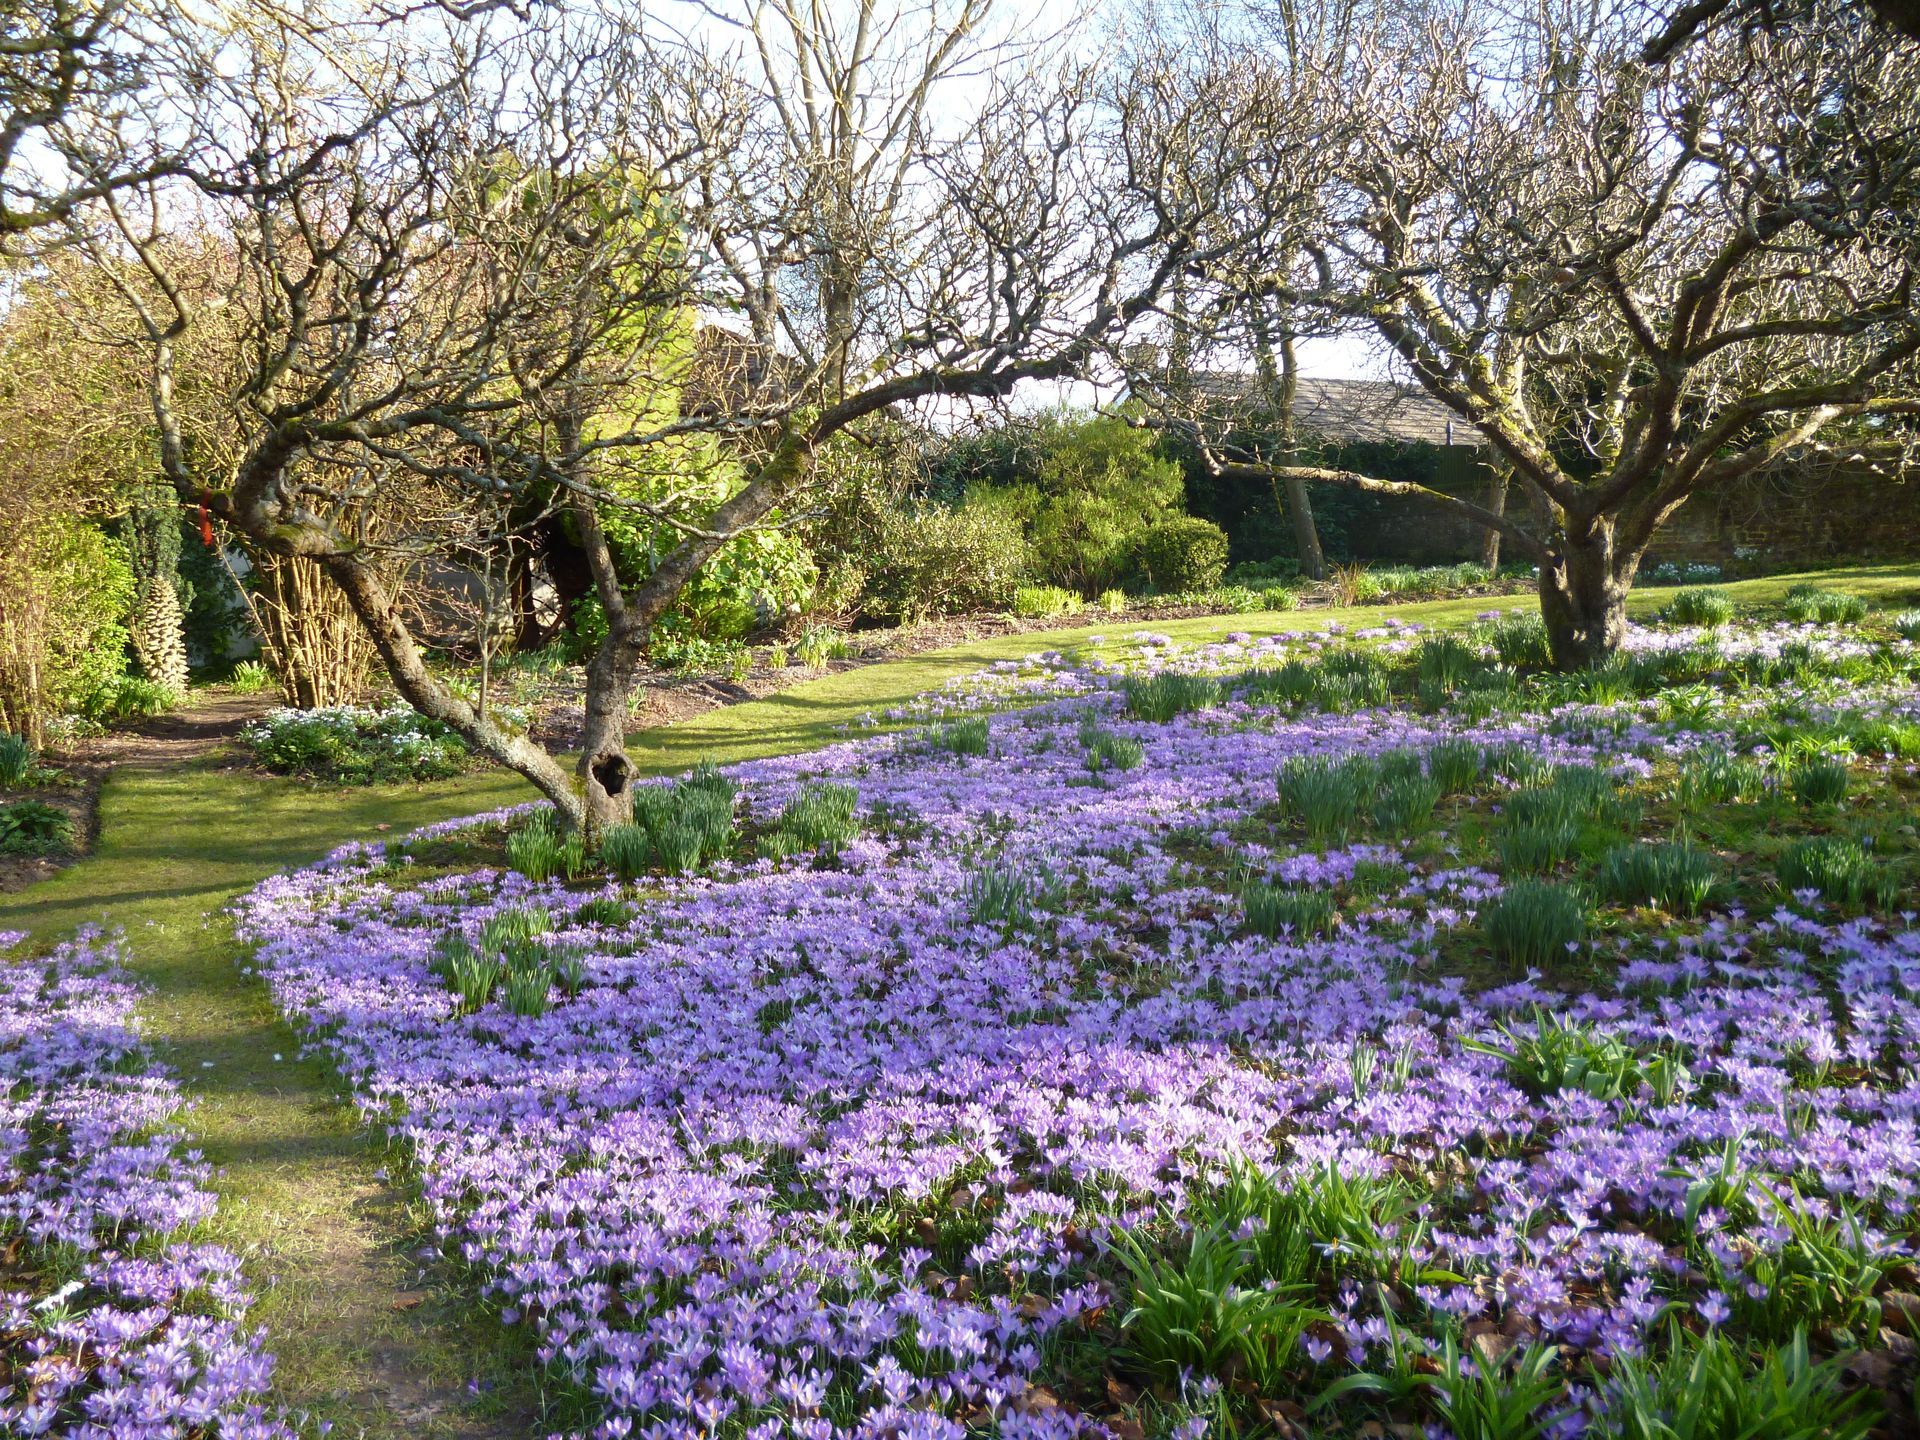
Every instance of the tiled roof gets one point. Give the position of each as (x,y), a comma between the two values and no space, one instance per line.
(1349,410)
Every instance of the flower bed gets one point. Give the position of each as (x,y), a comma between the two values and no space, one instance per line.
(356,745)
(113,1321)
(1114,1087)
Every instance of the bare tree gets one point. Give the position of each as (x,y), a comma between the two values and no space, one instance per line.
(93,98)
(1638,284)
(1695,17)
(495,285)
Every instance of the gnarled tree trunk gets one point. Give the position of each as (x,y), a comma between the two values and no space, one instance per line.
(1583,594)
(606,771)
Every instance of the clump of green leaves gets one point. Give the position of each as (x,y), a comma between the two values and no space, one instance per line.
(1291,682)
(1276,910)
(1043,602)
(1838,868)
(474,977)
(1705,1385)
(1159,698)
(514,927)
(1520,641)
(528,990)
(1557,1054)
(1323,794)
(603,910)
(1809,603)
(626,850)
(1907,625)
(1308,1227)
(1537,846)
(33,827)
(536,849)
(250,677)
(1714,777)
(819,644)
(1521,764)
(1823,1271)
(1456,765)
(1405,803)
(686,825)
(819,817)
(1535,923)
(1207,1311)
(1503,1399)
(1108,751)
(1819,780)
(1700,607)
(967,736)
(1675,876)
(16,760)
(1444,661)
(1012,897)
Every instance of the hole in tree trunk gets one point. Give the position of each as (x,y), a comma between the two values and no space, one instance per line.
(611,772)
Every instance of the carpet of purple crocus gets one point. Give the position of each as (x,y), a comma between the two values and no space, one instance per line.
(817,1151)
(116,1324)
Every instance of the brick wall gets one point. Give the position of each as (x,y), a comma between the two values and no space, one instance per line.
(1781,518)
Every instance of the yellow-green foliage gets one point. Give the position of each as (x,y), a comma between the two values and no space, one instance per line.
(64,593)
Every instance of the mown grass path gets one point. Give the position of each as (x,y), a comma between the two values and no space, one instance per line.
(360,1339)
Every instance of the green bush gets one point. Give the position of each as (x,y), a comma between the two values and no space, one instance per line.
(1081,488)
(129,697)
(931,559)
(1535,923)
(1043,602)
(1260,574)
(33,827)
(1182,554)
(1113,602)
(66,589)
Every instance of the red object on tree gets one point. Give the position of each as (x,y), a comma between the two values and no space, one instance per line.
(206,523)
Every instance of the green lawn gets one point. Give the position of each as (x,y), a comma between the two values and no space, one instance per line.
(300,1193)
